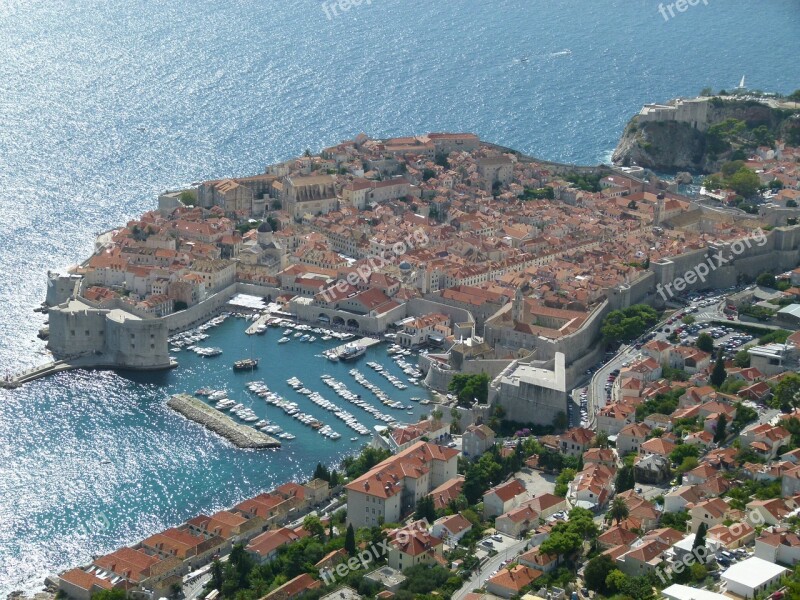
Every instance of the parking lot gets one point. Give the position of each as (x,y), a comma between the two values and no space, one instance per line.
(537,483)
(728,339)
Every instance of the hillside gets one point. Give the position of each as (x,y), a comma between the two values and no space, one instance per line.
(729,130)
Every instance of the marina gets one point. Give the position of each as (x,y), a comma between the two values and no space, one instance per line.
(289,409)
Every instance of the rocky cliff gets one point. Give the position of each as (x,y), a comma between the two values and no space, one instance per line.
(731,129)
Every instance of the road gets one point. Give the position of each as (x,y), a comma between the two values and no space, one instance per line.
(597,397)
(478,578)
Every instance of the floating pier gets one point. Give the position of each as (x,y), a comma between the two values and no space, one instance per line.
(363,342)
(260,322)
(239,435)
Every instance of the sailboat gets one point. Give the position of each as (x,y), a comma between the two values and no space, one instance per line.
(741,85)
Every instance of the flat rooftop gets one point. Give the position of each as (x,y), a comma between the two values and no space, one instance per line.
(753,572)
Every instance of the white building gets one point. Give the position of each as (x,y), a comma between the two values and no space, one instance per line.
(751,576)
(685,592)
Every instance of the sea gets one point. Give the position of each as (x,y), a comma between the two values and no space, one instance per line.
(105,104)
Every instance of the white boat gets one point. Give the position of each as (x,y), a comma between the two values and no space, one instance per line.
(283,340)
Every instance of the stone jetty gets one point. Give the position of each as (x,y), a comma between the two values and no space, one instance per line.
(239,435)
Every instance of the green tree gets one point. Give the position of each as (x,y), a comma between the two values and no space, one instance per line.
(313,525)
(700,537)
(794,96)
(742,359)
(322,472)
(688,319)
(600,440)
(115,594)
(616,581)
(597,571)
(625,480)
(744,182)
(469,388)
(720,433)
(619,510)
(425,509)
(628,324)
(682,451)
(561,542)
(705,342)
(744,416)
(189,197)
(350,540)
(766,280)
(719,374)
(785,395)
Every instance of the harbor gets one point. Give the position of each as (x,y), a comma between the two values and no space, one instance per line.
(239,435)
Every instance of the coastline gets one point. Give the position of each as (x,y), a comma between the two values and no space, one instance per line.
(241,436)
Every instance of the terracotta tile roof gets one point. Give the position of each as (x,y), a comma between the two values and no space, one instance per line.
(515,579)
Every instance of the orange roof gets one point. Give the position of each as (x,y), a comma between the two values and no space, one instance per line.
(515,579)
(507,491)
(85,581)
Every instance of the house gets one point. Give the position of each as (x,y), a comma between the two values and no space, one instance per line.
(651,469)
(790,482)
(678,499)
(767,512)
(700,474)
(447,492)
(711,512)
(684,592)
(517,521)
(529,514)
(778,547)
(392,488)
(264,547)
(504,497)
(658,421)
(476,440)
(616,536)
(82,585)
(576,441)
(600,456)
(593,486)
(641,509)
(765,439)
(538,561)
(294,588)
(510,582)
(413,545)
(451,529)
(751,576)
(631,437)
(645,558)
(732,536)
(343,593)
(613,417)
(658,446)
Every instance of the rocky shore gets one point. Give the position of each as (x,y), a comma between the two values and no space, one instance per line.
(240,436)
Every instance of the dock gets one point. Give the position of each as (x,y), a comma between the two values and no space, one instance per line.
(11,382)
(239,435)
(363,342)
(261,321)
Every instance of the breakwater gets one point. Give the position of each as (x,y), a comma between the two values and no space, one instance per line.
(240,436)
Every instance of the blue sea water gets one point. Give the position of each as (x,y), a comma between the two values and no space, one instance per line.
(105,104)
